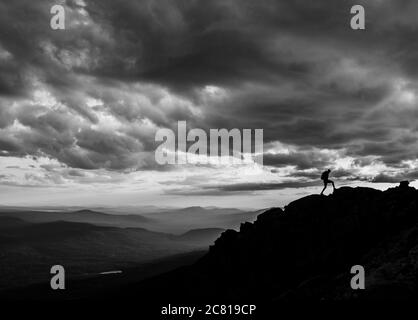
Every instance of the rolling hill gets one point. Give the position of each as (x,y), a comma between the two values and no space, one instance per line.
(28,250)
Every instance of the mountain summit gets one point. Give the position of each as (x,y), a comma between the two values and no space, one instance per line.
(306,251)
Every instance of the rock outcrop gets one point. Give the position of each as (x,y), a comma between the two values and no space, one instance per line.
(306,250)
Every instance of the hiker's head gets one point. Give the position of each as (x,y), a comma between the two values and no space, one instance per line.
(329,170)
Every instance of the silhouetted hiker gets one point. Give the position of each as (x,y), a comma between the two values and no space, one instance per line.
(325,178)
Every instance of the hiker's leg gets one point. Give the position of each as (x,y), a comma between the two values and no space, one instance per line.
(332,182)
(325,186)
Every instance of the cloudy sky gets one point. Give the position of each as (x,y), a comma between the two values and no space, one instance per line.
(79,107)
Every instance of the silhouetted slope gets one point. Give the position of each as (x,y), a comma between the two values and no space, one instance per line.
(306,252)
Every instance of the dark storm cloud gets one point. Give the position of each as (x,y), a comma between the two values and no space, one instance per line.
(267,186)
(385,178)
(316,174)
(242,188)
(193,43)
(397,177)
(300,159)
(293,68)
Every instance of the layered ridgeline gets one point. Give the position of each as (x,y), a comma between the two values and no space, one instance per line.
(306,251)
(92,244)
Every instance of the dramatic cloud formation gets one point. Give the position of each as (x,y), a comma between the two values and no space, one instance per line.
(90,98)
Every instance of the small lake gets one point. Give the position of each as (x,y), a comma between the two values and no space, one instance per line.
(110,272)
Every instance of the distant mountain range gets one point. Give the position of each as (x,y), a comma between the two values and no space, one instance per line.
(85,216)
(90,242)
(182,220)
(28,250)
(163,220)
